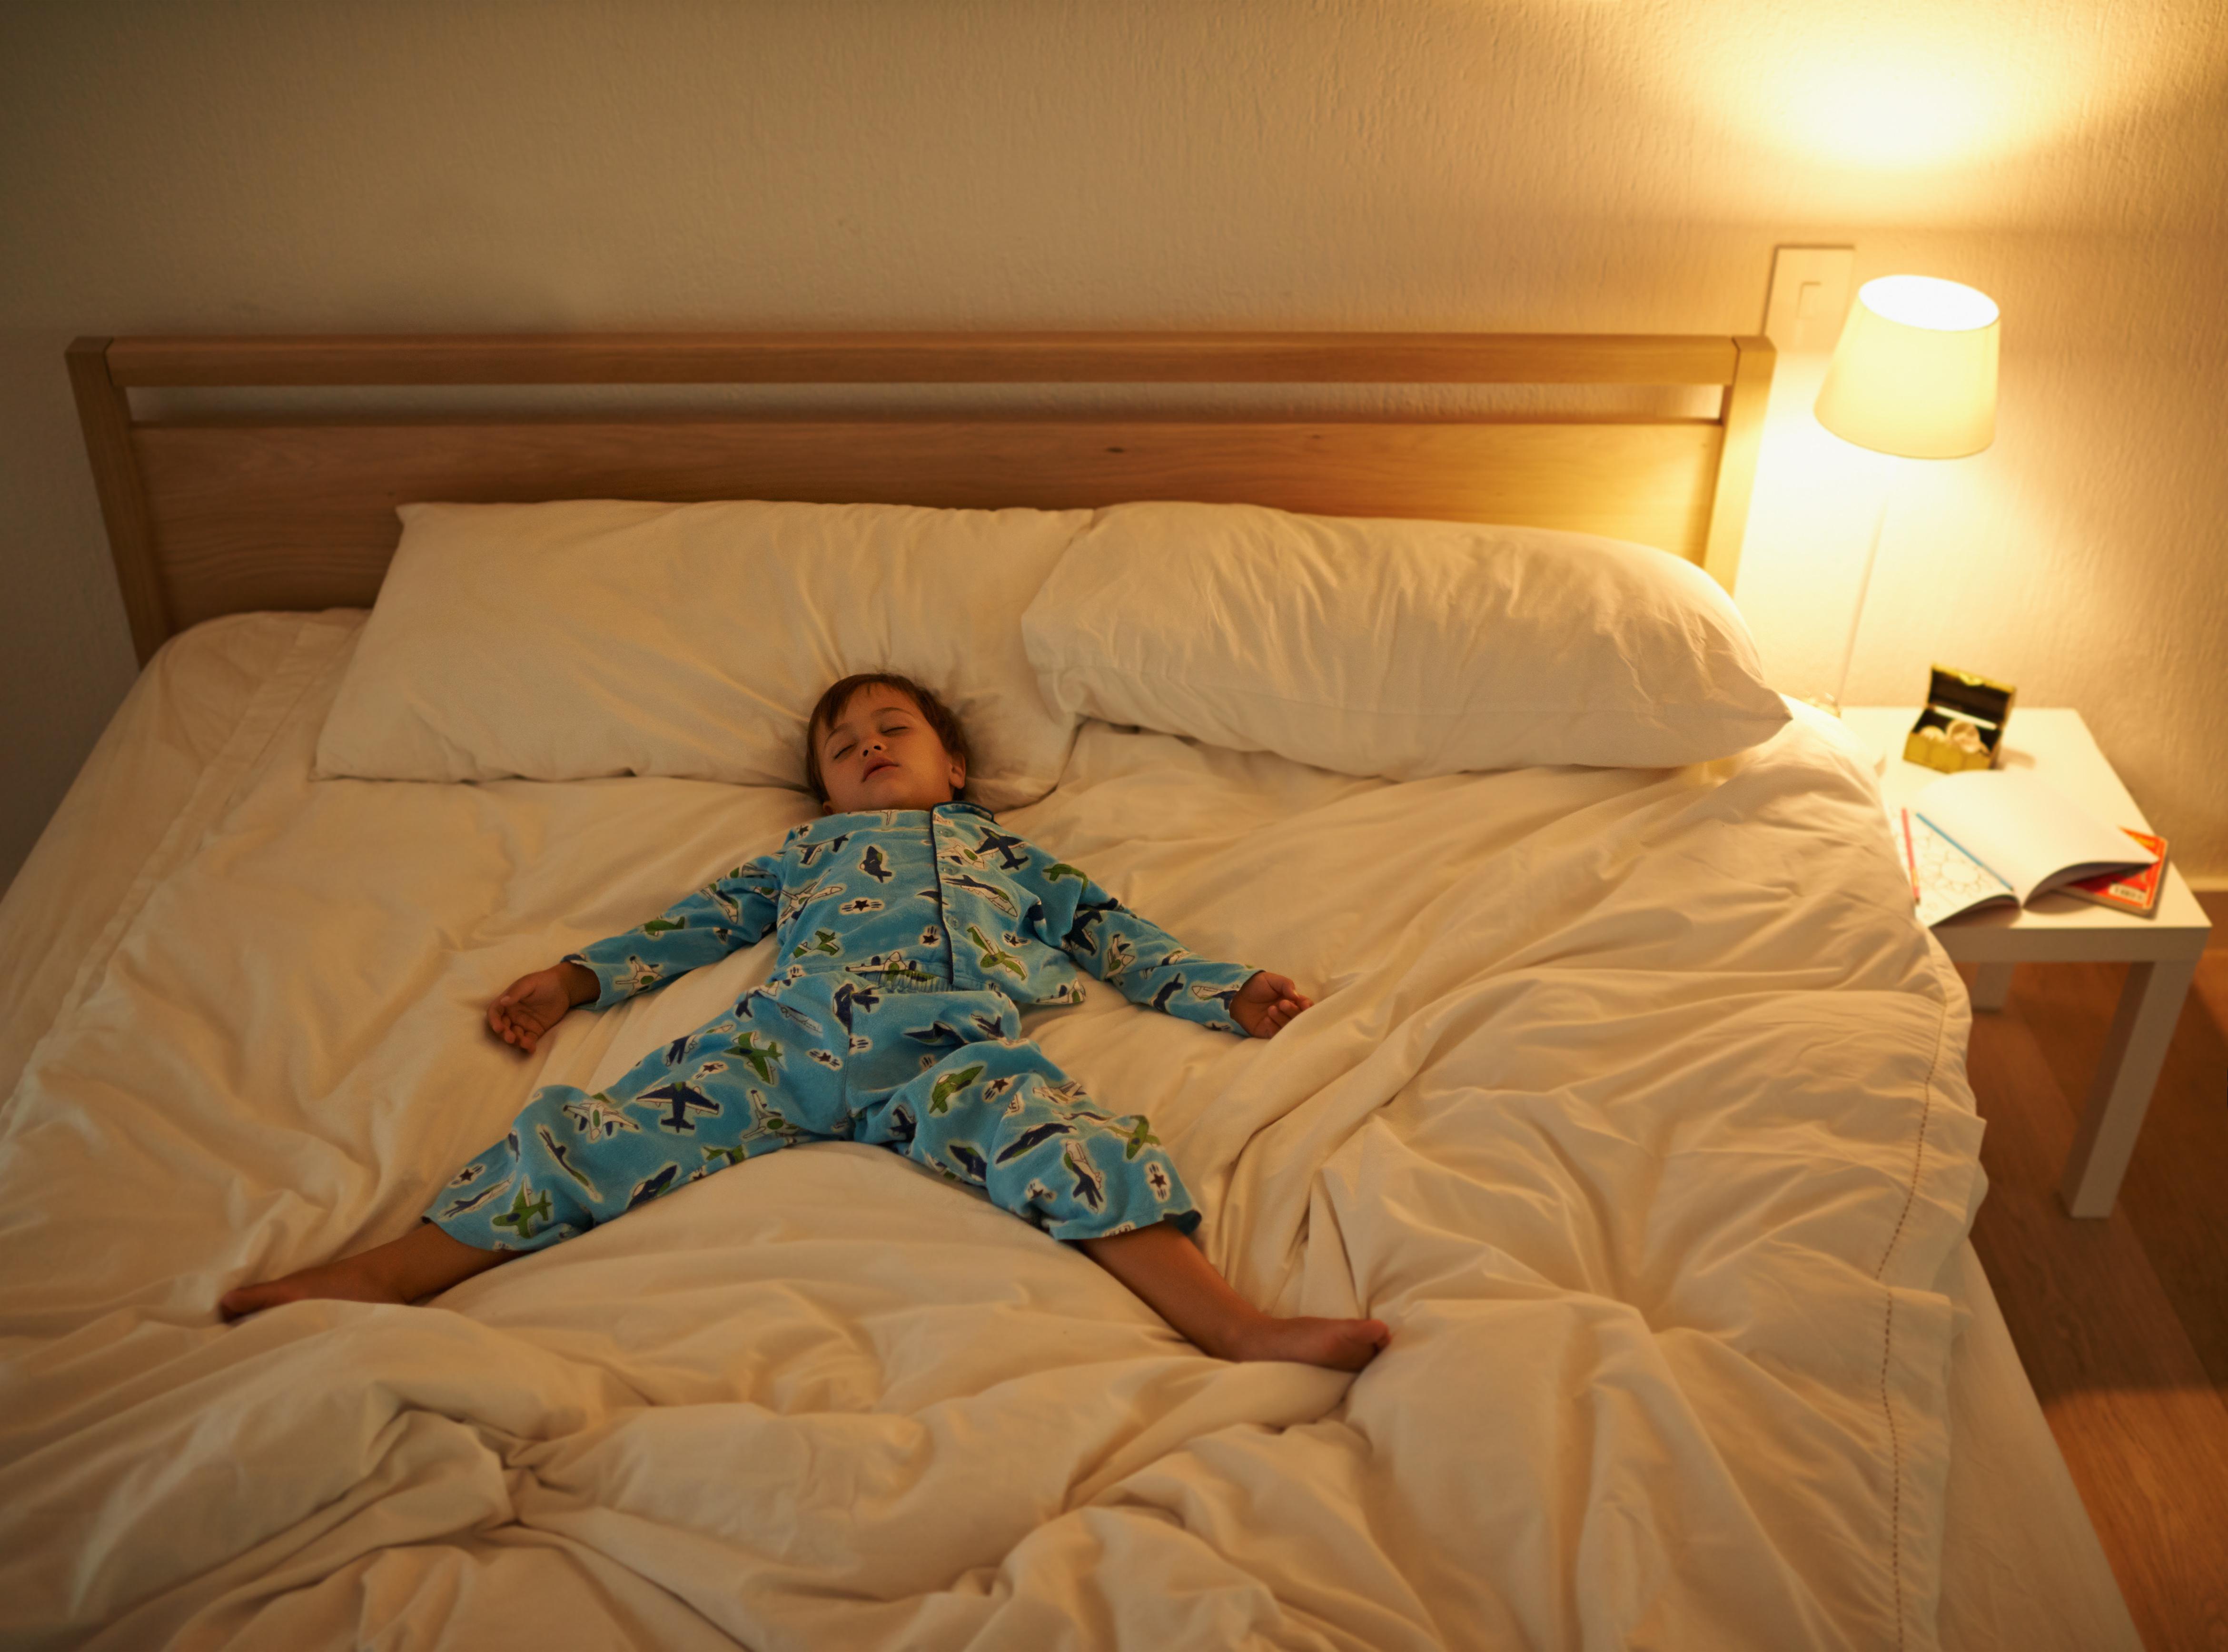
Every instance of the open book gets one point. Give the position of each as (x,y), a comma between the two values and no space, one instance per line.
(2001,836)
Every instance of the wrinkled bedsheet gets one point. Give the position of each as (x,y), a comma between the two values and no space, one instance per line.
(1634,1101)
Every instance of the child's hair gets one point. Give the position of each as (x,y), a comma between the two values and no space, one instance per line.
(939,716)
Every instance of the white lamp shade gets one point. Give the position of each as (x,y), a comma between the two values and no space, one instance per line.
(1915,373)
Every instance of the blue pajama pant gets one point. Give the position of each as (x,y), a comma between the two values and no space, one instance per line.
(944,1077)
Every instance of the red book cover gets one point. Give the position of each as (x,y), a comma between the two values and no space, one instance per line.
(2135,891)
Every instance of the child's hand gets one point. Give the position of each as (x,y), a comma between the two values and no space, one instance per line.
(1266,1004)
(533,1004)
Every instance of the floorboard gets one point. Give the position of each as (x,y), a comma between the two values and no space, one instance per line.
(2122,1324)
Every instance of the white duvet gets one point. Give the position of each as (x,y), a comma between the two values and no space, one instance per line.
(1634,1101)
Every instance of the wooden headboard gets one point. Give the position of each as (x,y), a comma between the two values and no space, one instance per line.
(210,514)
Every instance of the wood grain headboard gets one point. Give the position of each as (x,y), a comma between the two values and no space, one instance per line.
(210,514)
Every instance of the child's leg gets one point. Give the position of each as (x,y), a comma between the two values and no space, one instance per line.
(1179,1285)
(422,1262)
(1001,1115)
(572,1160)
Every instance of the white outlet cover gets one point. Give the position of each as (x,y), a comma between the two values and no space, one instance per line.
(1800,322)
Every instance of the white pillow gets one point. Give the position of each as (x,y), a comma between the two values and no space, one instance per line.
(560,642)
(1400,649)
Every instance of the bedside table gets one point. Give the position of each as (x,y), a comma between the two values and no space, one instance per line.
(2161,951)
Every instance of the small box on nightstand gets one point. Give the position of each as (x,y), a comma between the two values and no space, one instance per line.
(1962,726)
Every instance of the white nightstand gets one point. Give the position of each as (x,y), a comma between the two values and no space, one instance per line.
(2161,951)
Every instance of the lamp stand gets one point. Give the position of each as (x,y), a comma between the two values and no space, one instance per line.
(1834,701)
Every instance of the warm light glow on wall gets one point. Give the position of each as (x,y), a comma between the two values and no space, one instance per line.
(1886,110)
(1911,85)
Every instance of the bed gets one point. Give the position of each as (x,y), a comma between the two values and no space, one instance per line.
(1633,1102)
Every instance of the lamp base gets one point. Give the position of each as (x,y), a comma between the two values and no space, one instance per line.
(1840,730)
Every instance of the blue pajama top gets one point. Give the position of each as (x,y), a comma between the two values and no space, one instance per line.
(937,899)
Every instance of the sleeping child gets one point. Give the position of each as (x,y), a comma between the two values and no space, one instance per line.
(910,931)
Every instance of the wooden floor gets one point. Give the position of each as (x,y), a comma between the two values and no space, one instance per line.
(2122,1324)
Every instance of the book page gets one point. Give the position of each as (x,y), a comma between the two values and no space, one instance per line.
(2026,832)
(1944,880)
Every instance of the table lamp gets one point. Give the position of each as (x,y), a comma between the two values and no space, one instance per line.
(1914,376)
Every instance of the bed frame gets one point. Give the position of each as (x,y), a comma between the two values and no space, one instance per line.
(210,514)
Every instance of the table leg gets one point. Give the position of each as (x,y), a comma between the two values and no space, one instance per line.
(2142,1028)
(1991,984)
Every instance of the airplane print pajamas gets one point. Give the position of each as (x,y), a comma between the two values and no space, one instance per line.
(908,940)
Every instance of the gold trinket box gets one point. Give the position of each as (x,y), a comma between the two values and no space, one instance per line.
(1963,727)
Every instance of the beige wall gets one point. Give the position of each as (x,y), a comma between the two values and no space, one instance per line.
(1583,164)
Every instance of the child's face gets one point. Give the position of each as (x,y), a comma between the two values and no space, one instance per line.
(881,754)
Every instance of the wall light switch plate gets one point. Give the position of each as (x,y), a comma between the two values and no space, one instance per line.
(1809,296)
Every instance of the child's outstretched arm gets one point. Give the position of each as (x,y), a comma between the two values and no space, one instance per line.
(1149,965)
(702,928)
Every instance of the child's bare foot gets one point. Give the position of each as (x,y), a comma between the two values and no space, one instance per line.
(350,1279)
(1342,1344)
(423,1261)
